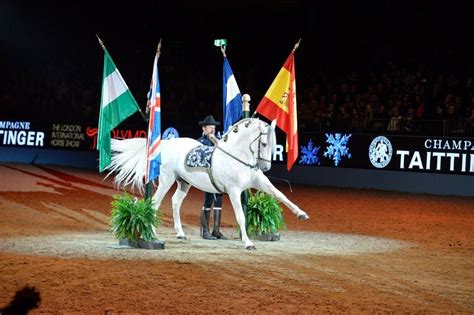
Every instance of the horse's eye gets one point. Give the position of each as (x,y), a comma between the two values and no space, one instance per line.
(264,144)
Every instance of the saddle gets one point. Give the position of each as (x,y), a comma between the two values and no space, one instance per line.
(199,158)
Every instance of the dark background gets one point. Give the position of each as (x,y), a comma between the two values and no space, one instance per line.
(51,63)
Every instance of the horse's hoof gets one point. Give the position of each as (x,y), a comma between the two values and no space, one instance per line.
(181,237)
(251,247)
(303,217)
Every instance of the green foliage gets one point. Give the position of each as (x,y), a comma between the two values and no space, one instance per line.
(133,219)
(264,214)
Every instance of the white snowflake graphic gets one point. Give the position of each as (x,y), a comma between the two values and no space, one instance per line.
(337,148)
(309,154)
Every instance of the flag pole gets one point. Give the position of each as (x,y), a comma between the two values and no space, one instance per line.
(158,48)
(244,196)
(103,47)
(100,42)
(296,45)
(149,185)
(158,52)
(223,51)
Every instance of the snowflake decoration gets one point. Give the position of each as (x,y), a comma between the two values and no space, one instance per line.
(309,154)
(337,148)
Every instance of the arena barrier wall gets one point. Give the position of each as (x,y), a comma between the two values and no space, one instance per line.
(426,183)
(433,165)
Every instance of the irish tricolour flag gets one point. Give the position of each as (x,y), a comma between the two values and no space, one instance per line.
(117,104)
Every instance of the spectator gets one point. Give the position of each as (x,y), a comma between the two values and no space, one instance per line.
(469,127)
(394,123)
(408,124)
(380,119)
(368,117)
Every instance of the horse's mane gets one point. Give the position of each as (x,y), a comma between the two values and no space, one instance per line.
(231,129)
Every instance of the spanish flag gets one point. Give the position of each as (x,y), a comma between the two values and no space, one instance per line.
(280,103)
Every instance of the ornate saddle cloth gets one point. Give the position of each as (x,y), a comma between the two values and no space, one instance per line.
(199,158)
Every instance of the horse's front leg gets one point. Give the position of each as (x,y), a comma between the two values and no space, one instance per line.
(263,183)
(234,196)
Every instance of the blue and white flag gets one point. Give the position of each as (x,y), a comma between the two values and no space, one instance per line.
(232,98)
(153,155)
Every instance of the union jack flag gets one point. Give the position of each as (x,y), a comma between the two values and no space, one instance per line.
(153,156)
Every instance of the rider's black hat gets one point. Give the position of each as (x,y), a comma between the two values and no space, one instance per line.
(209,121)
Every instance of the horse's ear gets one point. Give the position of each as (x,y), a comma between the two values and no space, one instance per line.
(274,122)
(271,134)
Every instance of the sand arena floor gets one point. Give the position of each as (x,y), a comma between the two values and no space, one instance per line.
(361,251)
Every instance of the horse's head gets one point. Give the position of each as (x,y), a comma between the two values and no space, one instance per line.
(255,139)
(266,145)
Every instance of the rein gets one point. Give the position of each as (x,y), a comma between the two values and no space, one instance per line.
(237,159)
(258,154)
(255,166)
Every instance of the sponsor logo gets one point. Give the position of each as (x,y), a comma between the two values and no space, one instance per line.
(380,152)
(18,133)
(170,133)
(66,136)
(116,134)
(441,155)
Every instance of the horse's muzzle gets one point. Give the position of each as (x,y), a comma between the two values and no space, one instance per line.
(265,166)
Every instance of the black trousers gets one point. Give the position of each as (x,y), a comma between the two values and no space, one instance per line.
(210,198)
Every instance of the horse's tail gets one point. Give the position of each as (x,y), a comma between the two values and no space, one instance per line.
(129,163)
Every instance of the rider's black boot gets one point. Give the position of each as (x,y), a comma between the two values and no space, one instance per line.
(217,224)
(205,213)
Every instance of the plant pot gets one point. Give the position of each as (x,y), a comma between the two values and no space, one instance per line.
(141,243)
(268,237)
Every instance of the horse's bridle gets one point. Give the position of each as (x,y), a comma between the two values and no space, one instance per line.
(258,158)
(259,137)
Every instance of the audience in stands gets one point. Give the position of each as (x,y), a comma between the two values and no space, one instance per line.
(412,98)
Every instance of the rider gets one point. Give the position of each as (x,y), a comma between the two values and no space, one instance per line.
(208,138)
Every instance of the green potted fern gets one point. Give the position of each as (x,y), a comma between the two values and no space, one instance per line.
(134,222)
(264,217)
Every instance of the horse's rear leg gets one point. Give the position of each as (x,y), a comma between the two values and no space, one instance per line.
(234,197)
(177,200)
(165,183)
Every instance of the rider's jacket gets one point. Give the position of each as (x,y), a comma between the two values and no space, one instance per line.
(206,141)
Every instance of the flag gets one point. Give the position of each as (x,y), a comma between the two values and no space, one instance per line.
(116,105)
(153,157)
(232,99)
(280,103)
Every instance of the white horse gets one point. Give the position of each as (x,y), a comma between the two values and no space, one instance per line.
(238,162)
